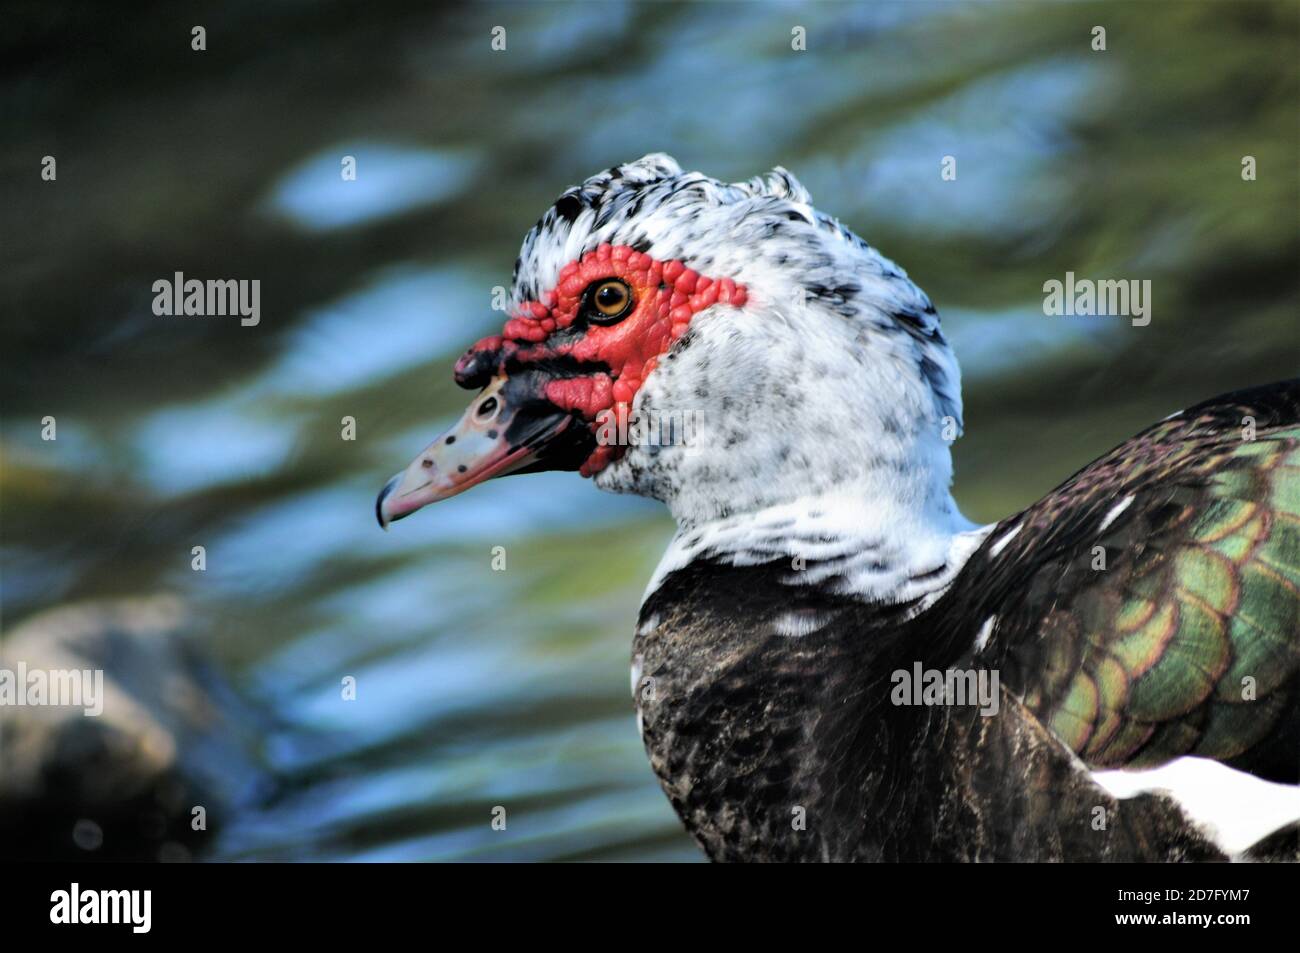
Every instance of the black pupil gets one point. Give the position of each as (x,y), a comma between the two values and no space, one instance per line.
(609,296)
(487,407)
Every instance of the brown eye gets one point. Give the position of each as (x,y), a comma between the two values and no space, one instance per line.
(608,300)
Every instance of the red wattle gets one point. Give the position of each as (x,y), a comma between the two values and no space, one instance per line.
(666,295)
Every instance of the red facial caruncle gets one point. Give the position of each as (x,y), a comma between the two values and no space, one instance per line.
(556,372)
(665,296)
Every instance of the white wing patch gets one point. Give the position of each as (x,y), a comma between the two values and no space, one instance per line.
(1236,808)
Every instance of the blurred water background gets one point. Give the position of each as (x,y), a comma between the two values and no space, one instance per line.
(479,688)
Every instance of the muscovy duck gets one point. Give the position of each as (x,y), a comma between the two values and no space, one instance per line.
(831,662)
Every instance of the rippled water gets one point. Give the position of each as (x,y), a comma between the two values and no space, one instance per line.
(476,687)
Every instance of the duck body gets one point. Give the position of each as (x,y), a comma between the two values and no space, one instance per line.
(768,712)
(777,749)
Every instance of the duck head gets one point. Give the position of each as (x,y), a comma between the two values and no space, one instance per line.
(721,347)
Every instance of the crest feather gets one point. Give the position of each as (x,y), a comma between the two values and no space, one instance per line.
(778,184)
(651,167)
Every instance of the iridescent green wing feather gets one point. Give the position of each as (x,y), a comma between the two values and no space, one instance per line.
(1149,608)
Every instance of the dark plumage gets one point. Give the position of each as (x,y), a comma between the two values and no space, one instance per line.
(743,725)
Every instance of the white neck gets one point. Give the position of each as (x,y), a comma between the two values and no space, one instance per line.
(821,422)
(840,539)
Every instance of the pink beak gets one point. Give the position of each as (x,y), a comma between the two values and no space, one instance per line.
(477,448)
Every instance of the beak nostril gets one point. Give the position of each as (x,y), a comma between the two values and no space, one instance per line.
(426,463)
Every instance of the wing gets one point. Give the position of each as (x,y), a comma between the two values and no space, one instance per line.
(1149,607)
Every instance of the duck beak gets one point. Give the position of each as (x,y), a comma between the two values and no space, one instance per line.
(491,439)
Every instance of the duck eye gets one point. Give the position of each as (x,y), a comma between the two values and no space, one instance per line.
(608,300)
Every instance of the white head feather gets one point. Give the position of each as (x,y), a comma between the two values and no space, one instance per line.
(823,407)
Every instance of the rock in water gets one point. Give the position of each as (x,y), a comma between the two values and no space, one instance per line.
(154,773)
